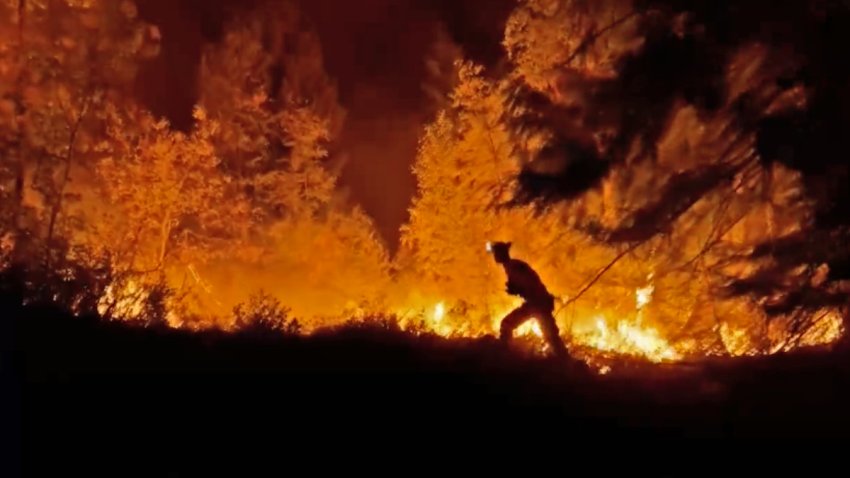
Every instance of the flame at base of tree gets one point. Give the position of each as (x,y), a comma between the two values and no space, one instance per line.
(595,335)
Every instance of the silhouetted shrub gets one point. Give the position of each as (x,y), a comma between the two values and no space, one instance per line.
(75,285)
(129,299)
(84,284)
(263,314)
(376,324)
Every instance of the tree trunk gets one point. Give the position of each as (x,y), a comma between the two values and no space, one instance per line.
(17,209)
(165,235)
(66,175)
(20,179)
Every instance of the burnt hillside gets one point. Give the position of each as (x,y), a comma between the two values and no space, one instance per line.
(82,384)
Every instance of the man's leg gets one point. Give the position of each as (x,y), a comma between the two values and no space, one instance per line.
(552,334)
(514,320)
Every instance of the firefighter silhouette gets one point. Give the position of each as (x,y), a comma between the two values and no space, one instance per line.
(539,304)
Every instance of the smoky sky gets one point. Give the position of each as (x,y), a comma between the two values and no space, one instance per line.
(374,49)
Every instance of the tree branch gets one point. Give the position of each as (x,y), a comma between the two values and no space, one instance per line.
(69,158)
(591,37)
(599,275)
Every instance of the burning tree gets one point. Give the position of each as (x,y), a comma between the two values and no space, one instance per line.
(250,188)
(278,115)
(169,209)
(63,62)
(248,200)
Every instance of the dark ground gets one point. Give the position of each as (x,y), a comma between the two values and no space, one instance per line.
(83,392)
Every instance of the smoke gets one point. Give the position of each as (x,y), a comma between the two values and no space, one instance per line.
(377,49)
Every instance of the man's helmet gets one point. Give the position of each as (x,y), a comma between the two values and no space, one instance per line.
(499,248)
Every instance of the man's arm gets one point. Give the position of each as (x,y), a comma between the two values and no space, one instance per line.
(523,281)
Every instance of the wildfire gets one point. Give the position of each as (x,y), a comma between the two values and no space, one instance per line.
(671,253)
(125,301)
(597,333)
(630,336)
(628,339)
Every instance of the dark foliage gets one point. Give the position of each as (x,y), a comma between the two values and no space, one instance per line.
(263,315)
(808,39)
(681,192)
(690,67)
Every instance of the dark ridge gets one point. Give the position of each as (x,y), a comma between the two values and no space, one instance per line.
(77,385)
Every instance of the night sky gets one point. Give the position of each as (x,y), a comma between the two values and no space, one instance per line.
(375,49)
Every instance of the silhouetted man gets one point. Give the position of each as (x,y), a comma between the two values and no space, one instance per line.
(539,303)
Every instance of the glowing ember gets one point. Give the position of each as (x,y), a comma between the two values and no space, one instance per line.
(643,296)
(439,312)
(532,327)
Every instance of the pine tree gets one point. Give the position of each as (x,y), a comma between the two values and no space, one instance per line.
(264,84)
(547,38)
